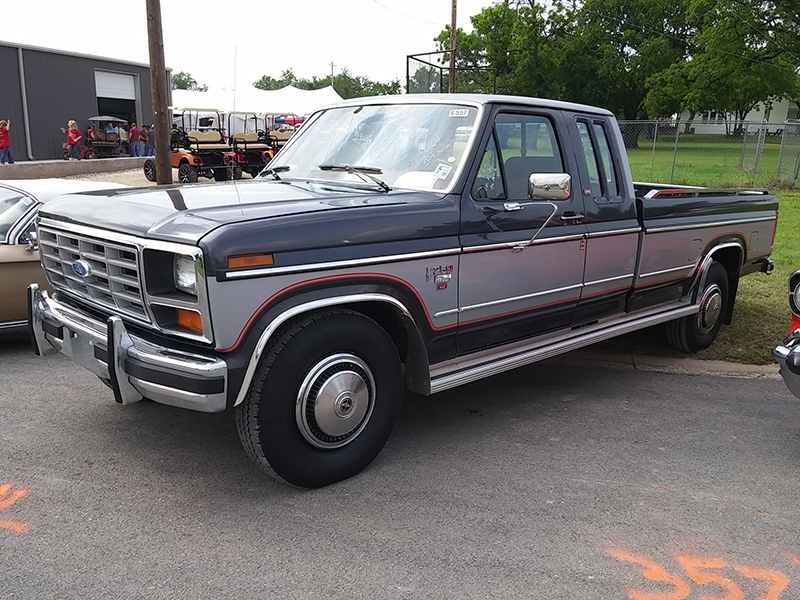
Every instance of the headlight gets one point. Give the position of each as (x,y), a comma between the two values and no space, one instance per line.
(185,274)
(796,294)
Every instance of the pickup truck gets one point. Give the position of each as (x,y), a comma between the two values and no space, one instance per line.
(413,242)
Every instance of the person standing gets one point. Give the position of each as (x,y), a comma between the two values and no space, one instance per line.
(5,142)
(133,135)
(151,140)
(123,138)
(73,139)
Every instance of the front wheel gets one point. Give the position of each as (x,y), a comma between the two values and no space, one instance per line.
(696,332)
(187,173)
(150,169)
(323,401)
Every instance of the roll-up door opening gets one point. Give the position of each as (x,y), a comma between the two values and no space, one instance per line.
(116,95)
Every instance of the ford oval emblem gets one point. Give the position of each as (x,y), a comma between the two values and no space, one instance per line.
(81,268)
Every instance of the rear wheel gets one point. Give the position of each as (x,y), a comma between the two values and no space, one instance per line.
(150,169)
(323,401)
(187,173)
(237,172)
(695,332)
(222,174)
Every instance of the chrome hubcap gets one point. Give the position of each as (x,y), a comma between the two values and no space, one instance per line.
(710,309)
(335,401)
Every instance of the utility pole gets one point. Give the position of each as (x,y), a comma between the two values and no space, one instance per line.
(158,92)
(332,65)
(451,82)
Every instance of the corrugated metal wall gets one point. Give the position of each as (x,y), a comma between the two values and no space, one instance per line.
(11,101)
(60,87)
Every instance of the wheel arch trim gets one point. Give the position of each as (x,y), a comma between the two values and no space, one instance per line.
(416,364)
(702,272)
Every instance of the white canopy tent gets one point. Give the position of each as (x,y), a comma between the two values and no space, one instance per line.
(287,100)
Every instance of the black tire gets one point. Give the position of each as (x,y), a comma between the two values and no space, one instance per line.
(222,174)
(237,172)
(319,373)
(150,169)
(187,173)
(695,332)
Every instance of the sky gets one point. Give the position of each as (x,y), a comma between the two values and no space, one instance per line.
(231,43)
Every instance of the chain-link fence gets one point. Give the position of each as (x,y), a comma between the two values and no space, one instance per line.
(720,153)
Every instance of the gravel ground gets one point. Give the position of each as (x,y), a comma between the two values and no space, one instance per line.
(134,177)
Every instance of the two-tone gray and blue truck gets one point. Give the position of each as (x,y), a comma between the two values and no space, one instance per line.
(409,242)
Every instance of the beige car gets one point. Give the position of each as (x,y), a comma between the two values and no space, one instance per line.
(19,254)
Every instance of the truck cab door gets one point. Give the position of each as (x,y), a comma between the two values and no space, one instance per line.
(522,261)
(613,231)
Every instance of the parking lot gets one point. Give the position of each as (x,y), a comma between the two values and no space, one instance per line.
(555,481)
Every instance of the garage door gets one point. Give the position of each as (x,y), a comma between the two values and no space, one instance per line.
(115,85)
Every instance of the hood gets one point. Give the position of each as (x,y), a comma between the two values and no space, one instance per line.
(185,213)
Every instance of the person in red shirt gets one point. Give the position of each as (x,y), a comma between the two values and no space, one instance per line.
(73,139)
(5,142)
(135,134)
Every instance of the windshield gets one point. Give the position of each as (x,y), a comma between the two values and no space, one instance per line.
(13,205)
(413,146)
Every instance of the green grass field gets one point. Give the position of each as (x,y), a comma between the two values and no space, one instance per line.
(761,314)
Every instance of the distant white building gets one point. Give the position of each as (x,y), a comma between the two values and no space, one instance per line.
(776,115)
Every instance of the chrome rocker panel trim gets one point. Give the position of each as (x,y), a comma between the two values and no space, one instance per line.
(83,338)
(467,369)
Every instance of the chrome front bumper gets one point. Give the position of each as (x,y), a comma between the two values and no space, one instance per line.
(134,367)
(788,356)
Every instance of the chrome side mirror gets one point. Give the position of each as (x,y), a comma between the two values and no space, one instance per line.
(33,242)
(550,186)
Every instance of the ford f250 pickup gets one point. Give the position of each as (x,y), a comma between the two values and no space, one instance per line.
(418,242)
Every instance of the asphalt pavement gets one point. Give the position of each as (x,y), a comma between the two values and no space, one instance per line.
(569,479)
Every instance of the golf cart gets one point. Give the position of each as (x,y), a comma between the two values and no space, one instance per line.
(106,144)
(253,147)
(198,152)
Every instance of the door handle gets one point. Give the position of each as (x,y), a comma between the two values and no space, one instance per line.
(509,206)
(571,217)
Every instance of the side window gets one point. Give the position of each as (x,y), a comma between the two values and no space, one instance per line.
(519,146)
(608,164)
(527,144)
(591,160)
(489,181)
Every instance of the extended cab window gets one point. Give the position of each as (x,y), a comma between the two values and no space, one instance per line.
(520,145)
(599,161)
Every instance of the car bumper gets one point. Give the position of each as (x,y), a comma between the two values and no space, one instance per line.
(788,356)
(136,368)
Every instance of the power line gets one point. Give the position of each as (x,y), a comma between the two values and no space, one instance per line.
(408,17)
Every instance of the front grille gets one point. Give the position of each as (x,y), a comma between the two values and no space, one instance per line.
(113,280)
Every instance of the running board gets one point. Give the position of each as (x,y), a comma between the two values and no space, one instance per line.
(463,371)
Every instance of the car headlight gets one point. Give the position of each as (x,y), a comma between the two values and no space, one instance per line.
(796,294)
(185,274)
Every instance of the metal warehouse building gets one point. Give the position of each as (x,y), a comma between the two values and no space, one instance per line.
(42,89)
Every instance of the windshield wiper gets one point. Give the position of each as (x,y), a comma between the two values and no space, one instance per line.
(363,172)
(274,172)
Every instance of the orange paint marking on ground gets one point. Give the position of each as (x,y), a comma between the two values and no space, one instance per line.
(794,559)
(777,580)
(5,502)
(695,569)
(655,572)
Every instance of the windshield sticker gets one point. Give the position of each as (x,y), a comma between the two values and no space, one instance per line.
(458,112)
(442,171)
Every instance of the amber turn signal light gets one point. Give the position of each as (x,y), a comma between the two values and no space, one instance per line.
(190,319)
(250,260)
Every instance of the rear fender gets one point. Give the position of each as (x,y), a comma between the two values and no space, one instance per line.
(730,254)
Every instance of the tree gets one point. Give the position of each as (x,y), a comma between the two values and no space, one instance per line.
(184,81)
